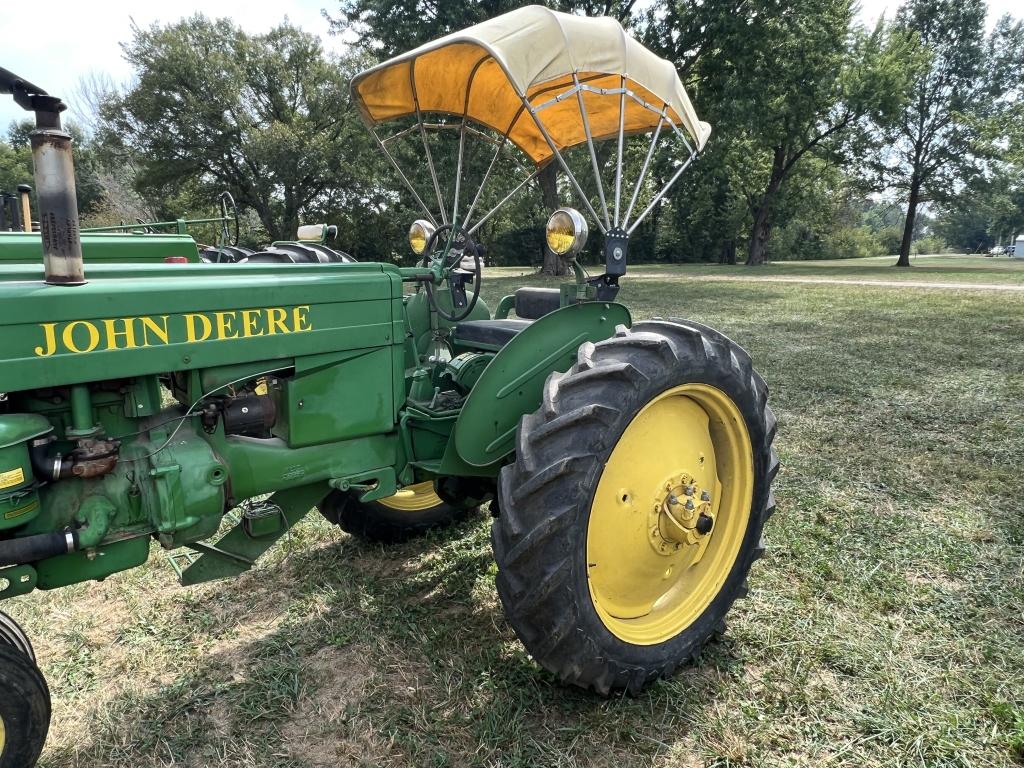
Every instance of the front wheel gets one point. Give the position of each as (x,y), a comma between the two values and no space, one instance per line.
(634,509)
(411,512)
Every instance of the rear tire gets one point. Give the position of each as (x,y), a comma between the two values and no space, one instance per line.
(24,709)
(574,543)
(395,519)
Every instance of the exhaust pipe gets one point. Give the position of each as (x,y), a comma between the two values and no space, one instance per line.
(55,181)
(58,205)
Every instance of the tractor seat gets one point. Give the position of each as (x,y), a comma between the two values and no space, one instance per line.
(491,335)
(534,303)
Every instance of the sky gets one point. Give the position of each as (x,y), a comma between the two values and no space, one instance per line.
(83,38)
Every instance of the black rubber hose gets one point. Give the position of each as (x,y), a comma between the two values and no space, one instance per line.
(29,549)
(47,467)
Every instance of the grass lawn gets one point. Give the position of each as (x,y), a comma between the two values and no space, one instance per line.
(884,626)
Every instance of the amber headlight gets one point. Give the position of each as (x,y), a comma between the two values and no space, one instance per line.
(419,235)
(566,232)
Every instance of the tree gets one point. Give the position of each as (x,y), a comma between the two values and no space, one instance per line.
(806,82)
(931,146)
(263,116)
(16,164)
(1002,132)
(959,141)
(779,83)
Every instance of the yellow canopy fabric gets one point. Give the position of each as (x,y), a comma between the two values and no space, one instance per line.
(486,70)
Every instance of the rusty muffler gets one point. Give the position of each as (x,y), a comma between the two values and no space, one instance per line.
(55,181)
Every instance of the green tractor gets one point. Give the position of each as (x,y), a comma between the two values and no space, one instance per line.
(628,465)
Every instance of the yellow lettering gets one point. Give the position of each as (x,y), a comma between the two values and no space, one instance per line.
(225,327)
(249,319)
(276,322)
(160,331)
(80,336)
(300,319)
(113,333)
(49,340)
(68,336)
(190,327)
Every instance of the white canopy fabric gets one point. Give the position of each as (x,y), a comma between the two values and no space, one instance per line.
(487,70)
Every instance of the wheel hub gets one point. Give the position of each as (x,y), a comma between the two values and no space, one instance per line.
(669,513)
(682,514)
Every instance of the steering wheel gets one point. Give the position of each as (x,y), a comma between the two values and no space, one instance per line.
(225,200)
(457,244)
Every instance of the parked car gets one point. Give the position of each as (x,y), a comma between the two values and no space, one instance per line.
(1002,250)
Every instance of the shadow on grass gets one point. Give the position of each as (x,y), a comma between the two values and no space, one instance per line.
(414,640)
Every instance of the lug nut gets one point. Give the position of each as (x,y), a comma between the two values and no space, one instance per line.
(704,524)
(688,490)
(689,504)
(673,499)
(705,496)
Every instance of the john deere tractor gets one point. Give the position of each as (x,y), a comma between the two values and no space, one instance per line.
(628,464)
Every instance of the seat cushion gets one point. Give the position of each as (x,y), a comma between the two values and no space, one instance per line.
(488,334)
(534,303)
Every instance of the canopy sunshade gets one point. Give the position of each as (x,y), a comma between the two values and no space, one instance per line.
(534,56)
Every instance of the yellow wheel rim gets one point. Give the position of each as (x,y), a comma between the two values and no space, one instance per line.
(3,736)
(413,498)
(669,514)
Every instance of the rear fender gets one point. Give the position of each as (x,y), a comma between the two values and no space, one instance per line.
(513,382)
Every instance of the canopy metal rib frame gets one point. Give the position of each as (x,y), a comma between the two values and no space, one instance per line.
(498,79)
(606,219)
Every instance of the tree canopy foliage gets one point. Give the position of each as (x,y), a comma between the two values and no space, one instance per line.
(262,116)
(828,137)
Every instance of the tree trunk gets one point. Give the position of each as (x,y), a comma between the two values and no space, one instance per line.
(290,220)
(762,228)
(264,213)
(908,225)
(759,235)
(548,180)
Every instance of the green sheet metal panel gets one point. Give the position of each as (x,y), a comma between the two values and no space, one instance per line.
(145,319)
(339,396)
(107,559)
(107,248)
(512,384)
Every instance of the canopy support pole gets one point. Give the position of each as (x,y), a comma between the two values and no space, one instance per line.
(480,189)
(426,145)
(504,200)
(487,175)
(405,179)
(590,145)
(618,168)
(682,138)
(643,170)
(462,138)
(458,171)
(565,166)
(661,194)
